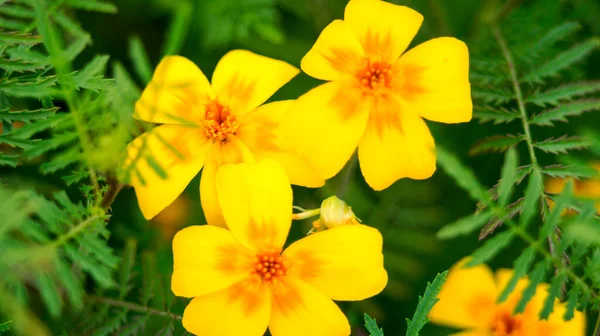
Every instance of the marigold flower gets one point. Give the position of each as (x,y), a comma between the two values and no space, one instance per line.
(377,96)
(241,281)
(468,301)
(586,188)
(208,125)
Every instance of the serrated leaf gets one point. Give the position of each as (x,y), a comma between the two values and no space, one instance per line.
(562,171)
(426,302)
(572,298)
(497,116)
(462,175)
(564,93)
(75,48)
(553,294)
(178,28)
(95,67)
(584,234)
(563,61)
(522,266)
(563,144)
(50,294)
(560,203)
(464,225)
(563,111)
(535,278)
(496,143)
(27,115)
(509,177)
(19,66)
(44,146)
(9,160)
(496,221)
(533,194)
(493,96)
(126,269)
(555,35)
(490,248)
(5,326)
(17,11)
(372,326)
(15,38)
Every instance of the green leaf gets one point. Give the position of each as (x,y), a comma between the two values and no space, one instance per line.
(572,298)
(553,293)
(522,266)
(50,294)
(27,115)
(5,326)
(565,92)
(93,6)
(555,35)
(426,302)
(9,160)
(493,96)
(17,11)
(75,48)
(561,202)
(533,193)
(497,116)
(95,67)
(19,66)
(178,28)
(462,175)
(16,38)
(496,143)
(509,177)
(563,61)
(563,111)
(583,233)
(140,59)
(372,326)
(490,248)
(563,144)
(536,277)
(562,171)
(8,140)
(511,211)
(126,270)
(464,225)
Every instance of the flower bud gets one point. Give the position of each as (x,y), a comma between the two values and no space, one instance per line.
(335,212)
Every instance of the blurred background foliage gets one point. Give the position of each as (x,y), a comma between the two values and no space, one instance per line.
(409,213)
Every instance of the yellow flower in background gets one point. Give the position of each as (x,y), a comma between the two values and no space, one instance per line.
(468,301)
(208,125)
(585,188)
(242,281)
(377,95)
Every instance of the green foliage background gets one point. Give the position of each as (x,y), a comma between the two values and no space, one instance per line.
(85,269)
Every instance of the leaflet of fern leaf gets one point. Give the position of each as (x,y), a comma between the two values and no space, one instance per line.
(496,221)
(27,115)
(553,294)
(16,38)
(498,116)
(563,60)
(140,59)
(464,225)
(562,171)
(560,203)
(463,176)
(573,296)
(426,302)
(496,143)
(93,6)
(372,327)
(533,193)
(490,248)
(509,177)
(563,144)
(9,160)
(561,112)
(535,278)
(522,266)
(555,35)
(566,92)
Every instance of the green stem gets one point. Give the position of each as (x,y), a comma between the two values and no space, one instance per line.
(348,171)
(132,306)
(74,231)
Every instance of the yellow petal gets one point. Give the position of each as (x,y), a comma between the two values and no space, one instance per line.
(208,196)
(245,80)
(181,160)
(383,29)
(242,309)
(434,79)
(261,132)
(300,310)
(176,94)
(327,259)
(336,53)
(256,199)
(207,259)
(467,299)
(325,125)
(396,144)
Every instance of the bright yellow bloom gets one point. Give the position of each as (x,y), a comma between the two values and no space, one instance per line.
(377,96)
(587,188)
(242,282)
(468,301)
(208,125)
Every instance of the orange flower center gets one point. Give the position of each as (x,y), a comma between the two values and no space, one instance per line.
(269,267)
(219,123)
(374,75)
(504,324)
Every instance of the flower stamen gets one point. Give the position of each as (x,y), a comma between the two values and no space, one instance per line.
(269,267)
(505,324)
(219,122)
(374,75)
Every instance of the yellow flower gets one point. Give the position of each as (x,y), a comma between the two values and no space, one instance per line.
(377,96)
(208,125)
(241,281)
(587,188)
(468,301)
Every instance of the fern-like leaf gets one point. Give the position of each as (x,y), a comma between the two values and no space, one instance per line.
(496,143)
(426,302)
(563,144)
(561,112)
